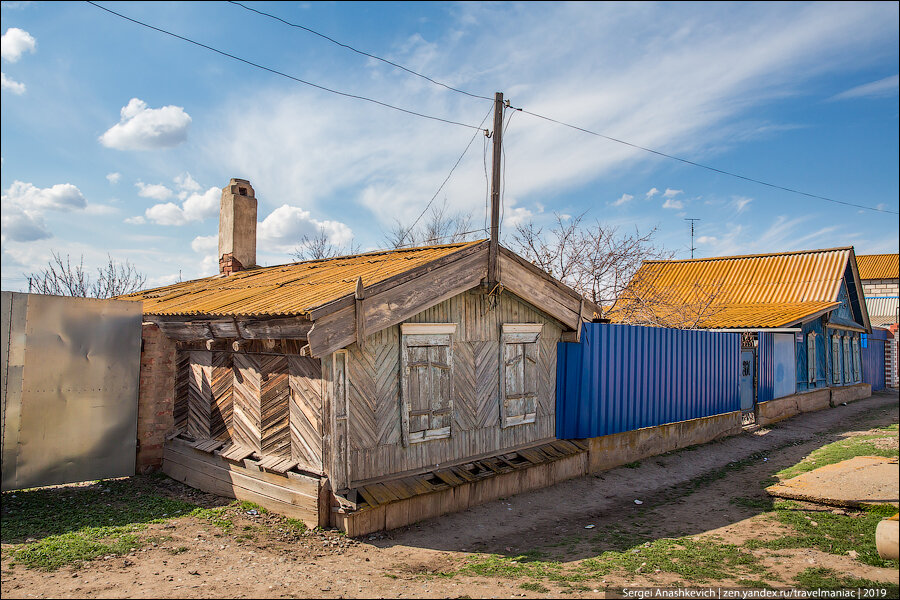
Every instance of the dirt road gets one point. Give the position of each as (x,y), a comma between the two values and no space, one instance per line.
(578,538)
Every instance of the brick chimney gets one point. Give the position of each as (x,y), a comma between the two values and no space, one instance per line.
(237,227)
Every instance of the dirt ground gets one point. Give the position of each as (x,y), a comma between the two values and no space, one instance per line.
(686,493)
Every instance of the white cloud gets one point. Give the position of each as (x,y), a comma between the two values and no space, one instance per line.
(205,244)
(673,204)
(13,86)
(24,205)
(195,207)
(186,184)
(624,199)
(652,192)
(707,239)
(62,196)
(113,178)
(513,216)
(100,209)
(740,203)
(670,193)
(23,226)
(876,89)
(14,43)
(143,128)
(286,225)
(155,191)
(138,220)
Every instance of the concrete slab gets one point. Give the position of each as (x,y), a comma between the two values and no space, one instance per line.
(850,483)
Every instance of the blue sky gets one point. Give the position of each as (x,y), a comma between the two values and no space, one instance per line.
(116,139)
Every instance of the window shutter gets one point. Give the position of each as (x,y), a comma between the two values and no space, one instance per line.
(518,373)
(426,387)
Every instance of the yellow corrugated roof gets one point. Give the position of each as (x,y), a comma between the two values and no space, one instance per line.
(760,290)
(292,289)
(878,266)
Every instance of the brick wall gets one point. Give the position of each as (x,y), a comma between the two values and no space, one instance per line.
(880,287)
(156,398)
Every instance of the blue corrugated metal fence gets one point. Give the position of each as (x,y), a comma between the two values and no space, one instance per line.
(765,375)
(624,377)
(872,354)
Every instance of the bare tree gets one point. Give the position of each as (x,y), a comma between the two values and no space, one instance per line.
(596,260)
(62,278)
(320,246)
(440,227)
(689,305)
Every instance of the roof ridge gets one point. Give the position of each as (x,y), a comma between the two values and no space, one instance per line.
(740,256)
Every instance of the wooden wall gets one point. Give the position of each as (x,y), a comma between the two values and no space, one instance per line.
(268,402)
(373,445)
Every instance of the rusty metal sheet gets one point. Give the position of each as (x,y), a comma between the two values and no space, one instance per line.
(291,289)
(78,390)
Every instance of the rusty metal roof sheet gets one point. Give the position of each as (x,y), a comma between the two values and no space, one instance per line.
(879,266)
(761,290)
(292,289)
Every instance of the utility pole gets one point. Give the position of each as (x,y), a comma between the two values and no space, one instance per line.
(494,250)
(692,235)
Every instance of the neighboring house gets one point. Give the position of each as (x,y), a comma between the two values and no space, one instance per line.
(361,379)
(801,314)
(880,275)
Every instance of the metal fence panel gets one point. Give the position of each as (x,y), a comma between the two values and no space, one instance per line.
(765,374)
(872,354)
(78,390)
(623,377)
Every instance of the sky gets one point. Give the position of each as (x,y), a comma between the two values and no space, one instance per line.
(117,139)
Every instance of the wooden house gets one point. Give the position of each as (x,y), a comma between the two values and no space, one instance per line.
(801,314)
(351,391)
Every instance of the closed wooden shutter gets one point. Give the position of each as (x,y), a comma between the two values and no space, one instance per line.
(427,381)
(519,373)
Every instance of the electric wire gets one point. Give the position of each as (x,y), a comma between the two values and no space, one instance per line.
(282,74)
(707,167)
(351,48)
(446,179)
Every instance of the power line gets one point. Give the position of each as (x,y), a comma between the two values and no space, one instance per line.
(707,167)
(446,179)
(276,72)
(341,44)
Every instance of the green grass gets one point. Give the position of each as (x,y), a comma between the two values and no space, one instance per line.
(835,534)
(535,587)
(820,578)
(835,452)
(763,504)
(48,528)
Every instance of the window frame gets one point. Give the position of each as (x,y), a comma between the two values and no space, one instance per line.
(857,358)
(835,358)
(425,335)
(519,334)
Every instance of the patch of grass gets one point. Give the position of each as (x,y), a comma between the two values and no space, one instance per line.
(632,465)
(835,534)
(835,452)
(535,587)
(820,578)
(295,525)
(74,547)
(178,550)
(693,560)
(44,512)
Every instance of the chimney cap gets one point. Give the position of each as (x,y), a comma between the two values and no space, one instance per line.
(240,187)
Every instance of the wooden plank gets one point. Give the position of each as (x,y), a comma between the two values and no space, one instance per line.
(396,304)
(540,290)
(274,328)
(286,497)
(236,452)
(200,395)
(306,411)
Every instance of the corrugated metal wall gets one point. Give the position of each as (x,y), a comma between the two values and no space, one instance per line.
(624,377)
(765,373)
(873,359)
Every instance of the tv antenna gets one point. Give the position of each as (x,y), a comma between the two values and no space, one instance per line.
(692,236)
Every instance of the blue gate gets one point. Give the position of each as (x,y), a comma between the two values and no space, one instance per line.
(625,377)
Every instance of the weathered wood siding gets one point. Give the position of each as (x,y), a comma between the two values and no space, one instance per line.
(268,402)
(373,420)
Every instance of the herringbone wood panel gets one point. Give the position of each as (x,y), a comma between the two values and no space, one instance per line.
(464,405)
(306,410)
(245,394)
(200,394)
(220,422)
(387,386)
(182,385)
(275,392)
(361,411)
(487,388)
